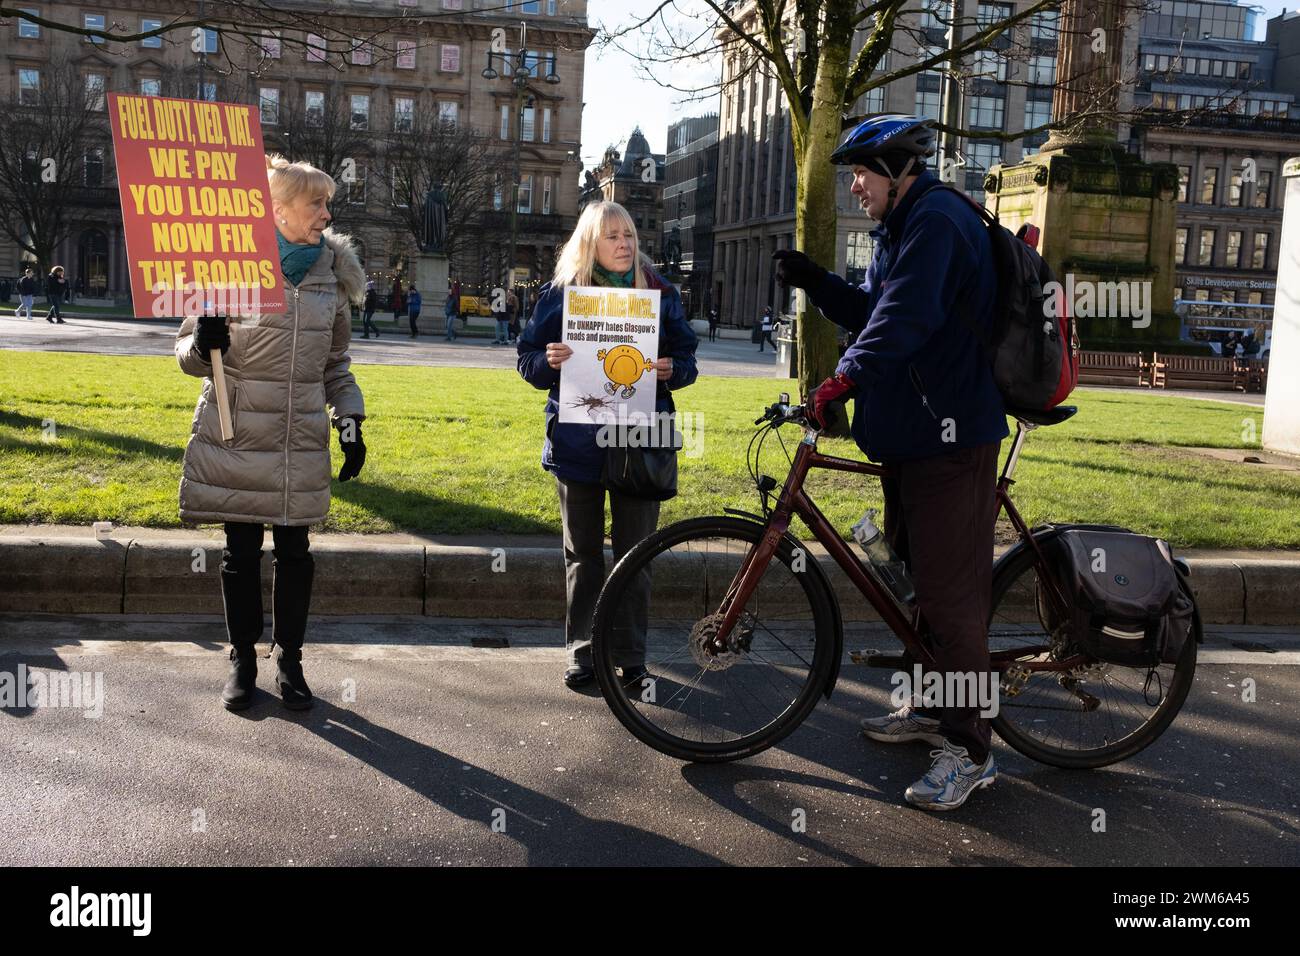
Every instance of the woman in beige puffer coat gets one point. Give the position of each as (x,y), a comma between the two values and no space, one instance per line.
(282,369)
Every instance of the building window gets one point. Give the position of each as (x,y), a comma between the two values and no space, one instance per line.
(927,104)
(1184,178)
(498,195)
(92,167)
(1044,25)
(403,113)
(95,92)
(526,6)
(450,58)
(405,55)
(528,130)
(151,24)
(1037,113)
(207,92)
(526,192)
(315,103)
(354,192)
(983,157)
(453,4)
(861,247)
(315,48)
(1236,194)
(505,121)
(270,44)
(93,21)
(550,8)
(1180,246)
(875,101)
(150,86)
(1263,186)
(1259,257)
(990,14)
(927,53)
(991,65)
(27,30)
(546,195)
(360,114)
(987,112)
(1232,254)
(1042,70)
(546,124)
(268,98)
(398,187)
(448,112)
(362,53)
(1209,185)
(209,41)
(936,14)
(1206,256)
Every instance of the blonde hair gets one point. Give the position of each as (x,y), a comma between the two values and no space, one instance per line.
(291,180)
(576,259)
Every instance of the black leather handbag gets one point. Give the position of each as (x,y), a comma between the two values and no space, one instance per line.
(639,470)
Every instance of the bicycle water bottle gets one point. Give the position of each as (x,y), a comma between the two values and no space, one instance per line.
(886,565)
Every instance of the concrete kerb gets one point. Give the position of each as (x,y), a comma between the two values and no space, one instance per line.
(158,576)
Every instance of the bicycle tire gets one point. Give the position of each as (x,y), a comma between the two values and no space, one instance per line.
(1128,746)
(821,603)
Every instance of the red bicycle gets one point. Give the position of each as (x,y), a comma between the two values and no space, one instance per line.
(741,630)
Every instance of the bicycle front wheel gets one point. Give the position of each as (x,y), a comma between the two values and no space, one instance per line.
(660,608)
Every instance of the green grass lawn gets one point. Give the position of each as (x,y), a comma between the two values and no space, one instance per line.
(457,451)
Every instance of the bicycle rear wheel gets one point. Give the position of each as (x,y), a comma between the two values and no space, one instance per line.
(1089,717)
(692,704)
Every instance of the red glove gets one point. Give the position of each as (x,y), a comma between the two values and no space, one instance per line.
(836,388)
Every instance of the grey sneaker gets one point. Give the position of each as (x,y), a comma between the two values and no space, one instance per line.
(951,779)
(903,726)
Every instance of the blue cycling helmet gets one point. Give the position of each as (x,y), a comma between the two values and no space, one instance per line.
(885,142)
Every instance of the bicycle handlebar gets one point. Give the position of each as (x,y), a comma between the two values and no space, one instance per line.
(783,412)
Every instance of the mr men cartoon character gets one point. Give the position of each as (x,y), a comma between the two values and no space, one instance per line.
(624,365)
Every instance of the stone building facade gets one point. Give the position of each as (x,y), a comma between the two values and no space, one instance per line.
(427,64)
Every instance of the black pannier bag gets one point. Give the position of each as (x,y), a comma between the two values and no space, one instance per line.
(1123,595)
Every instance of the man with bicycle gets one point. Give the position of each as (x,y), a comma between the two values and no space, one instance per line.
(925,405)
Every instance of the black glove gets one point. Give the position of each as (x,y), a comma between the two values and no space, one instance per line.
(793,268)
(211,333)
(354,449)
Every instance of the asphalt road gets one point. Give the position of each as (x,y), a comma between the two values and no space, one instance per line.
(729,357)
(443,740)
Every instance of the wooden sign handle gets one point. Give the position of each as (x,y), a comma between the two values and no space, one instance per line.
(223,397)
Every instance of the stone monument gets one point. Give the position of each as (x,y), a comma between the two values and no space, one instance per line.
(431,266)
(1282,400)
(1106,218)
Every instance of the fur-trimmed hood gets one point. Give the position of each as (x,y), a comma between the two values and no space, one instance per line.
(347,266)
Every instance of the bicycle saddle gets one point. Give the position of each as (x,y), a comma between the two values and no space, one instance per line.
(1053,416)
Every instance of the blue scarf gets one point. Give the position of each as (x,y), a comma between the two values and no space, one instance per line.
(297,257)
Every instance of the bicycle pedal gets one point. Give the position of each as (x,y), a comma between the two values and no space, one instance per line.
(873,658)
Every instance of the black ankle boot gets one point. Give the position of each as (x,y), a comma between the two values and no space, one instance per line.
(288,678)
(242,683)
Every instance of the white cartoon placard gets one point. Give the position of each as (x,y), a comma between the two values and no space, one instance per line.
(614,334)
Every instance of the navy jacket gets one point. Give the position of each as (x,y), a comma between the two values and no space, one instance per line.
(925,386)
(414,301)
(570,450)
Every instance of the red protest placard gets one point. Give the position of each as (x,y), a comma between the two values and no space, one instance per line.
(196,207)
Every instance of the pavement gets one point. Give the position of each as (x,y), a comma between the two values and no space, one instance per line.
(422,749)
(731,356)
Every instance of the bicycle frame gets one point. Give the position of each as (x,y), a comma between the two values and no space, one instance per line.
(795,501)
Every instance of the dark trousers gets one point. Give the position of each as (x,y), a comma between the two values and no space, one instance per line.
(939,517)
(56,302)
(767,337)
(713,333)
(241,585)
(368,322)
(415,316)
(582,510)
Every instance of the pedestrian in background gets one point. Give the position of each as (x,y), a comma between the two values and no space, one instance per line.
(765,329)
(26,292)
(713,324)
(368,306)
(56,290)
(453,309)
(413,303)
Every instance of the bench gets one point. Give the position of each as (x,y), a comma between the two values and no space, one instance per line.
(1113,368)
(1197,371)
